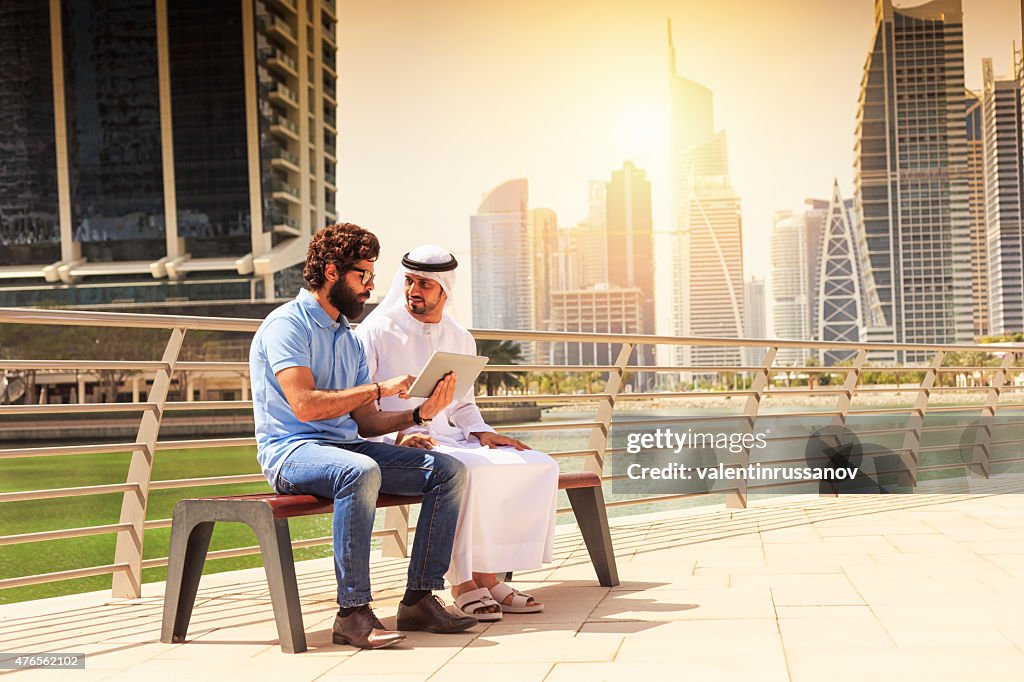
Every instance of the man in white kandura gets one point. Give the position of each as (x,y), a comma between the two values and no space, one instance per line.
(507,521)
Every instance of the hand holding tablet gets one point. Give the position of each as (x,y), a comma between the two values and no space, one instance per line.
(466,368)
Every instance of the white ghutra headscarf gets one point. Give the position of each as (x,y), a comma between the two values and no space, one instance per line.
(430,261)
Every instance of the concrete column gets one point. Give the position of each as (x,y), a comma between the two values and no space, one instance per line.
(69,249)
(189,387)
(245,388)
(175,245)
(81,391)
(135,389)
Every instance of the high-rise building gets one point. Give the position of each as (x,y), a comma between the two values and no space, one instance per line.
(1004,192)
(154,151)
(502,256)
(793,277)
(756,321)
(566,260)
(543,231)
(976,207)
(630,245)
(708,253)
(601,309)
(911,191)
(592,236)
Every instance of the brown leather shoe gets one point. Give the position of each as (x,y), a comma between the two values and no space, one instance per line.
(429,614)
(363,629)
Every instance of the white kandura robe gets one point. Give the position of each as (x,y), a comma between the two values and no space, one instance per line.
(507,522)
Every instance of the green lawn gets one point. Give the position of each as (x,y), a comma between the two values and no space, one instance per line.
(92,510)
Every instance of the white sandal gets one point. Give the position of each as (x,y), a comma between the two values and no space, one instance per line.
(474,602)
(520,602)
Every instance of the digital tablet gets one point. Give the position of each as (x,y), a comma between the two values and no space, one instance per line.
(466,367)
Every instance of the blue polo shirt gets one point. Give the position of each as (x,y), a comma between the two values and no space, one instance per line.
(301,334)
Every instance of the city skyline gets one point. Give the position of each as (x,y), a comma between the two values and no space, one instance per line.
(597,99)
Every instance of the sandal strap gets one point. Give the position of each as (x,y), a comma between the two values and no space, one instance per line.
(521,599)
(480,597)
(501,591)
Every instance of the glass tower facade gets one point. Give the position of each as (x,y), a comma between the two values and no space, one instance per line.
(211,168)
(158,149)
(29,223)
(1004,196)
(911,190)
(113,117)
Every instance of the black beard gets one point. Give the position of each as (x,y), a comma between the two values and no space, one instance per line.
(341,296)
(422,308)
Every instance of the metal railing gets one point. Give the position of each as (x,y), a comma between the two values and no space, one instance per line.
(602,407)
(282,186)
(277,119)
(284,155)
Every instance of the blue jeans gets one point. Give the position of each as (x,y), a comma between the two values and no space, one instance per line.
(352,474)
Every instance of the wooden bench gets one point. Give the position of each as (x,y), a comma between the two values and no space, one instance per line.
(267,514)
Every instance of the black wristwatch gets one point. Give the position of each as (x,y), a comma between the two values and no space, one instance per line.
(417,419)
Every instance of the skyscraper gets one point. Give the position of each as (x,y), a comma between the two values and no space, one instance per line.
(976,206)
(708,255)
(1004,185)
(793,278)
(157,150)
(543,234)
(592,236)
(756,321)
(630,245)
(503,259)
(911,192)
(543,231)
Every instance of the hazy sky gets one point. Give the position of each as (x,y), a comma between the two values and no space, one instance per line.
(440,101)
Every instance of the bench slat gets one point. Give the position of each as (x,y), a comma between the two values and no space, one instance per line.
(290,506)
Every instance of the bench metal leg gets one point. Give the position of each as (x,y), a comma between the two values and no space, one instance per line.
(592,517)
(276,546)
(189,545)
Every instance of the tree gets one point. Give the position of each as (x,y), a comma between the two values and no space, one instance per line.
(551,382)
(500,353)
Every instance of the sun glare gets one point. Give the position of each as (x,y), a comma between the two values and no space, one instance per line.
(644,130)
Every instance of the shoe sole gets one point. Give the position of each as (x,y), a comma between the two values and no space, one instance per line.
(338,639)
(483,617)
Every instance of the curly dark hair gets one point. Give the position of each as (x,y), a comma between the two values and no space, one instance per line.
(343,244)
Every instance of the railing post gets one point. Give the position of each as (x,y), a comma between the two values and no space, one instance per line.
(128,583)
(912,438)
(844,401)
(605,411)
(737,499)
(980,453)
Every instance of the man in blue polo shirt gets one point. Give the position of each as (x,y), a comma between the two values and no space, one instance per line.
(312,398)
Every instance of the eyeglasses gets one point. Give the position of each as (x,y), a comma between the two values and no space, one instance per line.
(367,277)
